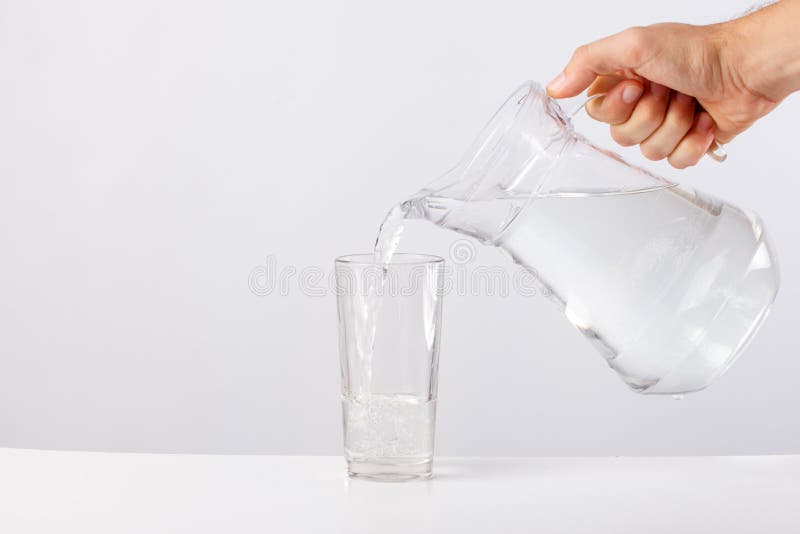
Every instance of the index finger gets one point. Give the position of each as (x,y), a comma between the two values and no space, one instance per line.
(620,51)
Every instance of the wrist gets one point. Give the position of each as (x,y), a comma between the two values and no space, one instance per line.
(761,51)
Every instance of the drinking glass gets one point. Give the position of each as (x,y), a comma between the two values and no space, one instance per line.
(389,331)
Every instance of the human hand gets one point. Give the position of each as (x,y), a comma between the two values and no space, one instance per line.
(675,88)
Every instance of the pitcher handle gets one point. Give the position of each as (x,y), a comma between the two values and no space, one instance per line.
(715,152)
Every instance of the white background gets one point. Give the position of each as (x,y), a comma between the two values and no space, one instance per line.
(153,153)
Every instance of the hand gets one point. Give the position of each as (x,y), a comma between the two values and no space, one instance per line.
(674,88)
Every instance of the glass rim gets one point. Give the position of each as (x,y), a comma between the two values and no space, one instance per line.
(398,258)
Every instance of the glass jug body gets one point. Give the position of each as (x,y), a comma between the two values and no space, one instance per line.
(670,284)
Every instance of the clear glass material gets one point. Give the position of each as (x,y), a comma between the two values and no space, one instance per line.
(389,331)
(668,283)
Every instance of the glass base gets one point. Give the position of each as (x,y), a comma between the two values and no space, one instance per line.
(390,469)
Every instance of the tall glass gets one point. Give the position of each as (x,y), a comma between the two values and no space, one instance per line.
(389,332)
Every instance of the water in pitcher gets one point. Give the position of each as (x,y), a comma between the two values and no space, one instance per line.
(668,284)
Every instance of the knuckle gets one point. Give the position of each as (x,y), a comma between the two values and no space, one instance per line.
(581,53)
(636,35)
(617,118)
(622,137)
(676,163)
(652,117)
(637,42)
(680,162)
(679,121)
(652,153)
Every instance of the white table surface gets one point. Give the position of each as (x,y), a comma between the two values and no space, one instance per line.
(57,492)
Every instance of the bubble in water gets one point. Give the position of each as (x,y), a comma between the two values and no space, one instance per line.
(381,426)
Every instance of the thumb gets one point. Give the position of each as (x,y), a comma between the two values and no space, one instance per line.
(624,50)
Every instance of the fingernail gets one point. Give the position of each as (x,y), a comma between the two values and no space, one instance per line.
(631,93)
(705,122)
(684,97)
(557,83)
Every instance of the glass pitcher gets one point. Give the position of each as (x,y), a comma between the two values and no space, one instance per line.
(668,283)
